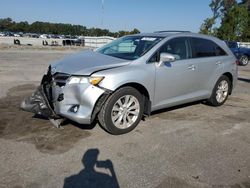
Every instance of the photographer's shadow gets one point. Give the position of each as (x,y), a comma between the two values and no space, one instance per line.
(89,177)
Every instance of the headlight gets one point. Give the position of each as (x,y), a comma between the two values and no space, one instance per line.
(77,80)
(95,80)
(84,80)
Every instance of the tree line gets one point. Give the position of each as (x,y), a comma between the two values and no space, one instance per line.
(8,25)
(230,20)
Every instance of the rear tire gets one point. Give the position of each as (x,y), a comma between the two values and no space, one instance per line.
(122,111)
(220,92)
(244,60)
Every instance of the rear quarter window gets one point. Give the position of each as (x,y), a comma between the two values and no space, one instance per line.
(205,48)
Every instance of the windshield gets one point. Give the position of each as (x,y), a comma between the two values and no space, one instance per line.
(129,47)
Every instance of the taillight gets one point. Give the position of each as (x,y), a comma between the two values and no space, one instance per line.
(237,62)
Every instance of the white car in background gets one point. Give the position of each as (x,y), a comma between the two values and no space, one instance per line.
(43,36)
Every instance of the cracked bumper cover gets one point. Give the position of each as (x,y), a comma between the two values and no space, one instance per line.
(61,100)
(38,104)
(84,96)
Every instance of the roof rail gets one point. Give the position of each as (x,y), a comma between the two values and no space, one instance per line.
(172,31)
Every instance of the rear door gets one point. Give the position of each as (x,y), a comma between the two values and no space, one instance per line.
(208,59)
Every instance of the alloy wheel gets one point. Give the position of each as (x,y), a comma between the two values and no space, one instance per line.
(222,91)
(125,111)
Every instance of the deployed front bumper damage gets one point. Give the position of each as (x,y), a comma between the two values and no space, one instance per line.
(38,104)
(77,102)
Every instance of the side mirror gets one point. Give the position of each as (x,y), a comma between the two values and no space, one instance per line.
(166,58)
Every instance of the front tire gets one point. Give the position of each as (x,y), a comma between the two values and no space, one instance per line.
(122,111)
(244,60)
(220,92)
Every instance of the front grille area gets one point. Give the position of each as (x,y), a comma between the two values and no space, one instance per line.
(49,81)
(60,79)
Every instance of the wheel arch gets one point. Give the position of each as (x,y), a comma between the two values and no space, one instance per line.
(146,97)
(246,54)
(230,77)
(142,89)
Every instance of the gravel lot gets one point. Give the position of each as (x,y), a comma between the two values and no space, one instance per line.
(188,146)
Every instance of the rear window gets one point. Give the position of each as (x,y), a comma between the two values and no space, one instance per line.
(205,48)
(232,44)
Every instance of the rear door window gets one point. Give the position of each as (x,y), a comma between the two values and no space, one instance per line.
(205,48)
(232,44)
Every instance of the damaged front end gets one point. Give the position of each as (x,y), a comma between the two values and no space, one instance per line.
(38,103)
(57,99)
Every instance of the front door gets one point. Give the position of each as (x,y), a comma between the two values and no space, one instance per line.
(175,82)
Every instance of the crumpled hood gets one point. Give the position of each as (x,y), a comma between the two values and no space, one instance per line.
(87,62)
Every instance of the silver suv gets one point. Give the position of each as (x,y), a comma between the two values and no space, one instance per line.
(133,76)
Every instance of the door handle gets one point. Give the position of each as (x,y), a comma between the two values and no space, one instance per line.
(191,67)
(218,63)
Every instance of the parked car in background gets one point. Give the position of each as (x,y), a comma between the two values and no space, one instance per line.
(9,34)
(19,34)
(133,76)
(243,54)
(43,36)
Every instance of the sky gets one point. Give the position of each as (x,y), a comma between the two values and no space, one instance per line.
(146,15)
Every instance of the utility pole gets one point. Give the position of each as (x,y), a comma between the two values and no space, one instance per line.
(102,13)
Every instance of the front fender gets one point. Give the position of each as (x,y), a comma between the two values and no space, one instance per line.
(141,74)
